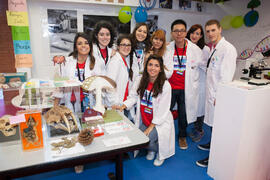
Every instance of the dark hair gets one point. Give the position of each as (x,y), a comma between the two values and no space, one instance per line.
(119,40)
(195,27)
(211,22)
(159,82)
(147,39)
(178,21)
(97,28)
(160,34)
(75,50)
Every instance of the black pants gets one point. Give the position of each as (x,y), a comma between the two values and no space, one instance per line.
(178,96)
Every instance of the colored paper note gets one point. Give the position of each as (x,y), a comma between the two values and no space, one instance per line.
(17,119)
(17,18)
(22,47)
(23,60)
(17,5)
(20,33)
(120,1)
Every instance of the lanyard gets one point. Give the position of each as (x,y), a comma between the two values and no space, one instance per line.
(208,61)
(106,60)
(125,64)
(79,75)
(148,98)
(180,61)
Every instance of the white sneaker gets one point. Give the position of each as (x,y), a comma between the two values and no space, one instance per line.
(135,153)
(158,162)
(150,155)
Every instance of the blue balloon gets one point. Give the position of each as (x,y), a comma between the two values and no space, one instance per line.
(251,18)
(140,14)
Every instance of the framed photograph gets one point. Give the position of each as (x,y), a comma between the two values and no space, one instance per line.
(62,27)
(89,22)
(152,22)
(165,4)
(185,4)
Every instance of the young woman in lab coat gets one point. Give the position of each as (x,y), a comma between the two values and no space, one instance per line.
(103,36)
(80,64)
(141,43)
(196,35)
(152,93)
(123,70)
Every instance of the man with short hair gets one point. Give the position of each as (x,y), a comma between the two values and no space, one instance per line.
(182,60)
(220,68)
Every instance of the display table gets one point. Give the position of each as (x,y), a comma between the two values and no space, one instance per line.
(17,163)
(240,146)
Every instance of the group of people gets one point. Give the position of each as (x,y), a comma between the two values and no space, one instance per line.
(153,77)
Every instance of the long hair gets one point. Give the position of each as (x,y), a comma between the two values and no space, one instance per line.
(97,28)
(75,50)
(119,40)
(195,27)
(147,39)
(159,82)
(160,34)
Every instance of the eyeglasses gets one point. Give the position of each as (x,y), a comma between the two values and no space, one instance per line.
(125,45)
(179,31)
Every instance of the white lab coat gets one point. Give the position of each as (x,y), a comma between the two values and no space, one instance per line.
(100,63)
(117,71)
(221,70)
(202,82)
(162,118)
(194,59)
(69,69)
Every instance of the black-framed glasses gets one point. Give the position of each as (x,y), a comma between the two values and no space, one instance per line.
(179,31)
(125,45)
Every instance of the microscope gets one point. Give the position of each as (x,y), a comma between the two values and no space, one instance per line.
(255,71)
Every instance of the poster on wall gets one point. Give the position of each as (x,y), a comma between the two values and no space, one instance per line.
(152,22)
(185,4)
(165,4)
(89,22)
(62,27)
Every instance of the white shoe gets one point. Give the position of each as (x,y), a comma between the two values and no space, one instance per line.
(150,155)
(135,153)
(158,162)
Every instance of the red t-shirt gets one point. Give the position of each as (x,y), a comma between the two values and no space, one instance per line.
(81,69)
(104,53)
(146,106)
(177,79)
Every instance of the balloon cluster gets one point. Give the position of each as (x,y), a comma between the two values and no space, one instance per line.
(125,14)
(250,19)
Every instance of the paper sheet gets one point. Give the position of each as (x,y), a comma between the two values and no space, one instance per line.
(17,18)
(121,140)
(117,127)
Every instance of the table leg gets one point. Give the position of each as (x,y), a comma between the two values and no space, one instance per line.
(119,166)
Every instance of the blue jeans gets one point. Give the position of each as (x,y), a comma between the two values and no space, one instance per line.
(153,136)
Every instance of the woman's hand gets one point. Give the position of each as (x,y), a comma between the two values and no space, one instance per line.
(115,107)
(122,107)
(149,129)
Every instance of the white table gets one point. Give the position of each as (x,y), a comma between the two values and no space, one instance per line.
(14,162)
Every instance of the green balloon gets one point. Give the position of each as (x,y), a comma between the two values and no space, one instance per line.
(125,14)
(226,22)
(237,21)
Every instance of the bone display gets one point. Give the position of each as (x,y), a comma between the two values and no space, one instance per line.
(5,127)
(61,121)
(86,137)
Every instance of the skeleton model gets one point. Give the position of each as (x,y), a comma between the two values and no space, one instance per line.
(99,84)
(5,127)
(30,133)
(60,117)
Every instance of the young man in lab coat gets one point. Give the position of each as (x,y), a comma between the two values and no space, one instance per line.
(182,59)
(220,68)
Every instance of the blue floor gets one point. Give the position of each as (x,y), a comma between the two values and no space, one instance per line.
(181,166)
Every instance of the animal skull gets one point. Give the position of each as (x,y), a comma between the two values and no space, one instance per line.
(60,117)
(5,127)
